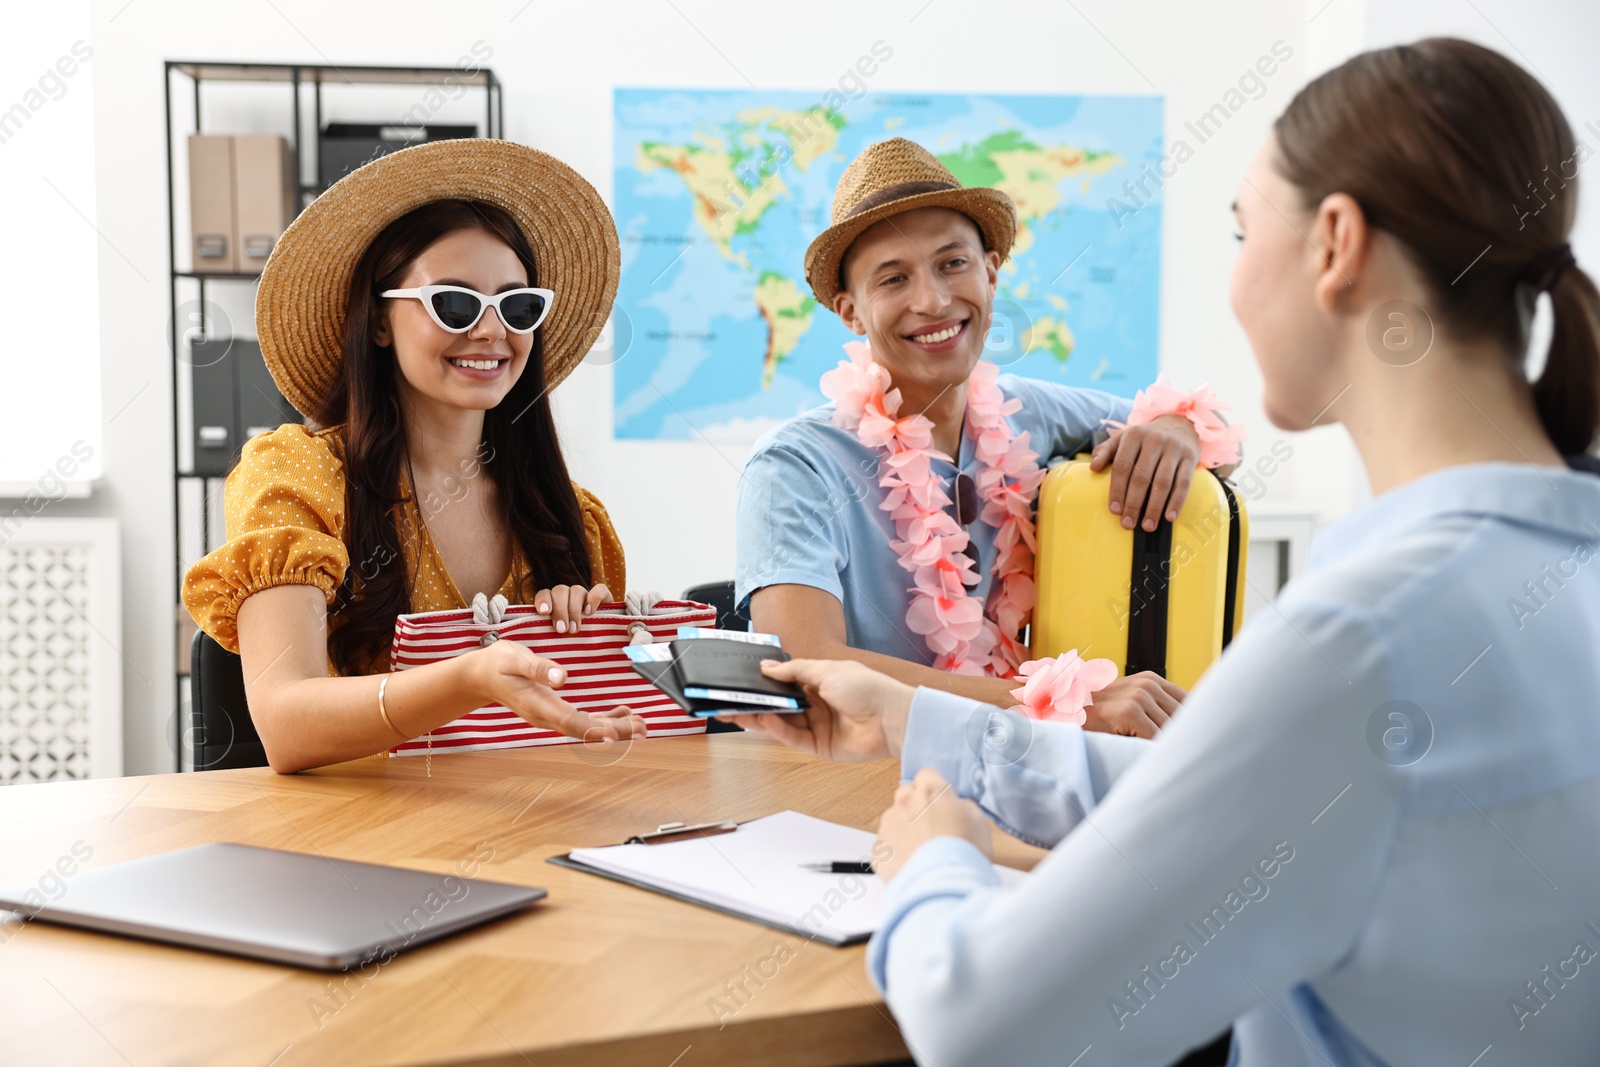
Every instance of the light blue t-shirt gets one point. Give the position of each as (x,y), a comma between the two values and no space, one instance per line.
(809,514)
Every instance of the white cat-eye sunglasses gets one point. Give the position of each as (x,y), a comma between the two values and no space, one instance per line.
(457,309)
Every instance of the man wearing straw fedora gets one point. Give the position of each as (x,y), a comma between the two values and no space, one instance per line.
(893,526)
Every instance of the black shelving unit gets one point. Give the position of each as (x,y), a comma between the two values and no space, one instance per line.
(301,79)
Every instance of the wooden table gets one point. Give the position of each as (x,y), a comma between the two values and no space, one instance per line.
(598,973)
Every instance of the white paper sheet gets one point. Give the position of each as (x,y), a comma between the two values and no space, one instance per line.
(756,871)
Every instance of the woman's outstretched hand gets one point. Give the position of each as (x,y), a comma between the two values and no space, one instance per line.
(512,675)
(855,714)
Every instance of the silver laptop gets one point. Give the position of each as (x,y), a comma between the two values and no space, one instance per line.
(286,907)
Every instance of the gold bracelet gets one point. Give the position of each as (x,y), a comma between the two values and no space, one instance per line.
(385,711)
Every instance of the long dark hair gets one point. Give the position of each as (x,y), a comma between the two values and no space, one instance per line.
(520,450)
(1463,156)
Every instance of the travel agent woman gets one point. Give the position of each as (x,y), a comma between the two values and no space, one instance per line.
(1369,838)
(418,313)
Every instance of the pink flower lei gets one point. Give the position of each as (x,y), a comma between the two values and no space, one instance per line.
(1219,442)
(964,637)
(1063,686)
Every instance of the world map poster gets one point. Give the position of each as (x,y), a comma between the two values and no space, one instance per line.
(716,334)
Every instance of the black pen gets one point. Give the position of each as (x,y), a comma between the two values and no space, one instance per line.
(840,867)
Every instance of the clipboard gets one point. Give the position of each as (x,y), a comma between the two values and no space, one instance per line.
(668,832)
(756,871)
(566,860)
(823,839)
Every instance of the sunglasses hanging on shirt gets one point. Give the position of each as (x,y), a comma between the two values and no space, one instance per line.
(967,505)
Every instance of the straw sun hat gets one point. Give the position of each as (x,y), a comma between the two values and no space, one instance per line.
(894,176)
(300,306)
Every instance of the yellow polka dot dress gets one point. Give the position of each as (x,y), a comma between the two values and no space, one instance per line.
(285,508)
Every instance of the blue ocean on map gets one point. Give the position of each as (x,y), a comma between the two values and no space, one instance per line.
(718,193)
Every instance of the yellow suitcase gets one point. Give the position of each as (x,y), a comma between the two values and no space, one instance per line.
(1167,601)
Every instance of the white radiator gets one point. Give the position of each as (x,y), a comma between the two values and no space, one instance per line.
(60,647)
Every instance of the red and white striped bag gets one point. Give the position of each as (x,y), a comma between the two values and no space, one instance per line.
(598,675)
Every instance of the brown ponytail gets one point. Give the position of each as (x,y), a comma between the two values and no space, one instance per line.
(1467,160)
(1565,393)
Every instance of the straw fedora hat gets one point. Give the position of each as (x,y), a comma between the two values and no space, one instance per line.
(894,176)
(300,305)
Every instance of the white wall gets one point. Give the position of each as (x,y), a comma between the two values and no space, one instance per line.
(47,162)
(1555,42)
(560,62)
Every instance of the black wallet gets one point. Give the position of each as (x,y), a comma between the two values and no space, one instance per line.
(716,663)
(731,667)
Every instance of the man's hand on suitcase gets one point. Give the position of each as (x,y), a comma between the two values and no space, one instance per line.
(1137,705)
(1159,456)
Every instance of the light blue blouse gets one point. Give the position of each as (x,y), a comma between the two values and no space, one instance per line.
(808,510)
(1372,835)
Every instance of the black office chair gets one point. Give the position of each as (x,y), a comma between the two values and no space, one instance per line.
(720,596)
(221,729)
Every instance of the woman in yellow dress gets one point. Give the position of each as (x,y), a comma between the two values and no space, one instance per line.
(418,313)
